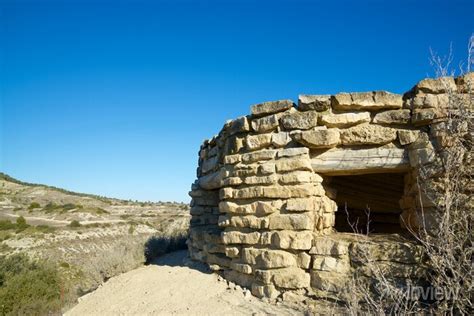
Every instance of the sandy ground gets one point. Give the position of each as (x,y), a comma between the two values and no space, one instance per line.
(173,286)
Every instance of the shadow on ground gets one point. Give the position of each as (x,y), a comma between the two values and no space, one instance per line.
(171,251)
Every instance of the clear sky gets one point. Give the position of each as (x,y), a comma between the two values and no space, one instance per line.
(115,97)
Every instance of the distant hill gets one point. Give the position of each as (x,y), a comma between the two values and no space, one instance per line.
(6,177)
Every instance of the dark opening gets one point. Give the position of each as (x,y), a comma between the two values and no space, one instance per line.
(371,197)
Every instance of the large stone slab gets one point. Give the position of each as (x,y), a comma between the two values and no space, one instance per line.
(345,119)
(318,103)
(360,161)
(300,120)
(319,137)
(368,134)
(392,117)
(367,101)
(255,142)
(440,85)
(265,124)
(235,237)
(268,259)
(288,239)
(291,222)
(271,107)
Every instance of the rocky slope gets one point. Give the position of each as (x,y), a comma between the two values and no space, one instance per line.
(90,238)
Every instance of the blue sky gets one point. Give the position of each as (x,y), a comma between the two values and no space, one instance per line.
(115,97)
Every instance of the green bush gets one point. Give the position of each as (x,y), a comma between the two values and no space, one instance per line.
(159,245)
(28,287)
(6,225)
(74,224)
(34,205)
(21,221)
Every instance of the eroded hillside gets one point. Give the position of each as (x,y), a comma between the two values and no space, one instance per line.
(89,238)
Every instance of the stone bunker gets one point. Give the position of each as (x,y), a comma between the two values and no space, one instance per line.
(285,197)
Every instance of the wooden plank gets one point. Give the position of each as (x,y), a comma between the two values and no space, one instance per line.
(339,161)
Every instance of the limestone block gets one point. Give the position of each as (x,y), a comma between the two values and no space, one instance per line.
(218,259)
(241,279)
(209,164)
(292,240)
(436,101)
(266,208)
(326,205)
(386,100)
(275,191)
(318,103)
(292,152)
(319,137)
(263,276)
(303,204)
(232,159)
(328,281)
(293,297)
(436,86)
(345,119)
(265,124)
(267,168)
(235,237)
(297,177)
(268,259)
(241,267)
(280,139)
(213,180)
(259,155)
(327,220)
(249,221)
(239,125)
(233,145)
(264,290)
(254,142)
(243,170)
(266,238)
(291,222)
(293,164)
(368,134)
(425,116)
(331,264)
(327,246)
(393,117)
(254,180)
(232,252)
(232,181)
(271,107)
(300,120)
(360,161)
(291,278)
(367,101)
(303,260)
(406,137)
(465,83)
(259,208)
(214,248)
(225,193)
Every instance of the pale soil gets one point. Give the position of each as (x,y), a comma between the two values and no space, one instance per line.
(173,286)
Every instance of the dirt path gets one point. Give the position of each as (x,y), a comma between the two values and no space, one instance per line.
(172,287)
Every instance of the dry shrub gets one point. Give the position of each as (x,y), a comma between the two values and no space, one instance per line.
(447,247)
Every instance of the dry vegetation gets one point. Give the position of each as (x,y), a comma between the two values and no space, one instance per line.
(448,248)
(81,240)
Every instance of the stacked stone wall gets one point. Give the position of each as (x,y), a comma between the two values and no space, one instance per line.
(262,211)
